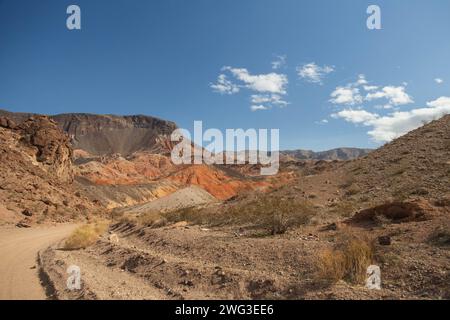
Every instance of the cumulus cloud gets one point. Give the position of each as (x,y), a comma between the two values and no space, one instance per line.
(313,73)
(274,99)
(268,89)
(224,86)
(391,126)
(346,96)
(270,82)
(370,88)
(351,94)
(439,80)
(259,107)
(356,116)
(395,95)
(361,80)
(441,102)
(279,62)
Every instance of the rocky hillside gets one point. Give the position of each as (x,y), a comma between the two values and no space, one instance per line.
(36,173)
(416,164)
(109,134)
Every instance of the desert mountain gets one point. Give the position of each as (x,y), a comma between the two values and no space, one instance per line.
(123,160)
(109,134)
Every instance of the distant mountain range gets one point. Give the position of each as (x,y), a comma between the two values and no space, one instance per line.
(334,154)
(109,134)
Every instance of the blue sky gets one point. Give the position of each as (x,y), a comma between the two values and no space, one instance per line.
(164,57)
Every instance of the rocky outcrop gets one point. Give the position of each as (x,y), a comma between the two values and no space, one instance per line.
(36,173)
(53,149)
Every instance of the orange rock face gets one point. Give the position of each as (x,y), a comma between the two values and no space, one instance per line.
(144,167)
(214,181)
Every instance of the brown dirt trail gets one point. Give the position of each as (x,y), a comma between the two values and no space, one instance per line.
(19,248)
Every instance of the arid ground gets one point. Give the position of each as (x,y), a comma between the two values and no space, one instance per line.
(100,192)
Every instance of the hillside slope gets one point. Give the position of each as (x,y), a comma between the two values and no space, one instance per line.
(416,164)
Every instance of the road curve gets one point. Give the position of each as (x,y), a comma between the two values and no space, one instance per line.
(19,278)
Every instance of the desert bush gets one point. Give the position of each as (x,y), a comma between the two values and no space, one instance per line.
(86,235)
(348,181)
(440,236)
(152,219)
(352,190)
(347,261)
(344,208)
(272,213)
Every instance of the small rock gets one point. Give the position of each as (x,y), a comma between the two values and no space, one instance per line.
(331,226)
(113,238)
(384,240)
(22,225)
(27,213)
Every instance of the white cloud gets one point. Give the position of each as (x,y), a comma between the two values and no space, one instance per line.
(441,102)
(439,80)
(259,107)
(268,89)
(311,72)
(396,124)
(395,95)
(224,86)
(322,122)
(355,116)
(361,80)
(274,99)
(279,62)
(370,88)
(346,96)
(270,82)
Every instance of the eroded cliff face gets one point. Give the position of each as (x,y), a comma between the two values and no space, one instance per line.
(110,134)
(36,174)
(52,147)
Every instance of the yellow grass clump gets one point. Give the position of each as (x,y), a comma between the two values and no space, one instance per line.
(86,235)
(348,261)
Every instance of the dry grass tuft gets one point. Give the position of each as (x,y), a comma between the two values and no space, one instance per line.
(347,261)
(86,235)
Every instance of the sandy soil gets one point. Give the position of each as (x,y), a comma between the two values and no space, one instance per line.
(18,251)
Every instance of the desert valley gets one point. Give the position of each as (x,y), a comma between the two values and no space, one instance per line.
(140,227)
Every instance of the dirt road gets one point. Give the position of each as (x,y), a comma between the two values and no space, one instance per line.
(18,252)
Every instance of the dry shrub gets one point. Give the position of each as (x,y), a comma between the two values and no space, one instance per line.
(86,235)
(347,261)
(344,208)
(440,236)
(348,181)
(152,219)
(271,213)
(352,190)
